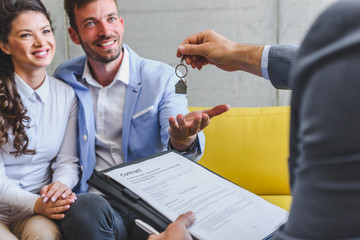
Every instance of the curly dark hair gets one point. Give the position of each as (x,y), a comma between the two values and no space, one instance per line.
(13,116)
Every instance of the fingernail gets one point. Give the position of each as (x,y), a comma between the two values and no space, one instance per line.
(181,49)
(64,196)
(45,199)
(53,199)
(43,195)
(72,200)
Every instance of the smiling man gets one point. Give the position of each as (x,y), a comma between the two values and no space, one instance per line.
(127,106)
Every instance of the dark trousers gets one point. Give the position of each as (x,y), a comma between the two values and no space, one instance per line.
(92,217)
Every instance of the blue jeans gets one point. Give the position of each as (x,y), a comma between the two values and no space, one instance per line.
(92,217)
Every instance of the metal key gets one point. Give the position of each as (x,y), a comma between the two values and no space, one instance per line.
(181,86)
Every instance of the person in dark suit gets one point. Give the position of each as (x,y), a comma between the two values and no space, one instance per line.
(324,160)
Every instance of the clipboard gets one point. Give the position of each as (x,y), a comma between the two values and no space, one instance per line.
(126,197)
(133,202)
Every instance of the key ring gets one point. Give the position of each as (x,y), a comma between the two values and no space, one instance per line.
(181,65)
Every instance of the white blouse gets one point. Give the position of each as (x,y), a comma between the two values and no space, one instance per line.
(52,109)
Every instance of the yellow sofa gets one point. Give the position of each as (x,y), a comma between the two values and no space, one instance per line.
(249,146)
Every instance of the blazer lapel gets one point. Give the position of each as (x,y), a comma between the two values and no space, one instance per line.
(132,93)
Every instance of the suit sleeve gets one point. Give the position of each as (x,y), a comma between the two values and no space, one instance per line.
(280,60)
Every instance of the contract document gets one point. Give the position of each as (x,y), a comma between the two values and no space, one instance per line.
(173,184)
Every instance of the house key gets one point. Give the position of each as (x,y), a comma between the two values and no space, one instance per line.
(180,86)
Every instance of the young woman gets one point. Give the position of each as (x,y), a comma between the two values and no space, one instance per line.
(38,127)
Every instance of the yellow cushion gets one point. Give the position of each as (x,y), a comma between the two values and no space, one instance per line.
(283,201)
(249,146)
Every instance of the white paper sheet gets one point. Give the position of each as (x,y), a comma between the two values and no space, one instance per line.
(174,185)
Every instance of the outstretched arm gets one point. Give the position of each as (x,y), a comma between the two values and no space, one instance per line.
(209,47)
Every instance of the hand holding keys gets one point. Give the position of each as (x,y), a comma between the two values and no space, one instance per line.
(180,87)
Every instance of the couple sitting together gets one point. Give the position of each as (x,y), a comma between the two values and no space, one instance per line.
(111,106)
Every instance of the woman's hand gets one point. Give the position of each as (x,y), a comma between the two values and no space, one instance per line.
(54,191)
(53,210)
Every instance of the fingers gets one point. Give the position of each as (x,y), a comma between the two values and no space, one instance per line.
(186,219)
(180,51)
(55,190)
(73,196)
(194,50)
(198,120)
(44,190)
(217,110)
(196,61)
(192,39)
(182,124)
(66,193)
(177,230)
(189,125)
(60,209)
(178,125)
(195,125)
(173,124)
(210,113)
(185,128)
(200,63)
(188,129)
(205,121)
(56,212)
(156,237)
(53,210)
(64,202)
(57,216)
(193,55)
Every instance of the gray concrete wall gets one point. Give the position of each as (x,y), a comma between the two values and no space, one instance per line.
(154,29)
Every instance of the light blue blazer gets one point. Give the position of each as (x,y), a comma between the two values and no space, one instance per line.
(151,83)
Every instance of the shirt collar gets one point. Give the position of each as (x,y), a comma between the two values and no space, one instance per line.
(25,91)
(122,75)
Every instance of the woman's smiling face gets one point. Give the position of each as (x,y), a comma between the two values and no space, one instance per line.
(31,42)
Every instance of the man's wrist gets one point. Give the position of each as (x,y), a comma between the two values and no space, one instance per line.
(250,57)
(183,147)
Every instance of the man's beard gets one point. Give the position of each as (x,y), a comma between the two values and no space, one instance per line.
(104,59)
(90,53)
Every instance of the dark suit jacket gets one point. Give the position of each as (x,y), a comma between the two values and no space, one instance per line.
(324,157)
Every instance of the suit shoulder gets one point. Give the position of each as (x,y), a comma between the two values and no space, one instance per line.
(73,64)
